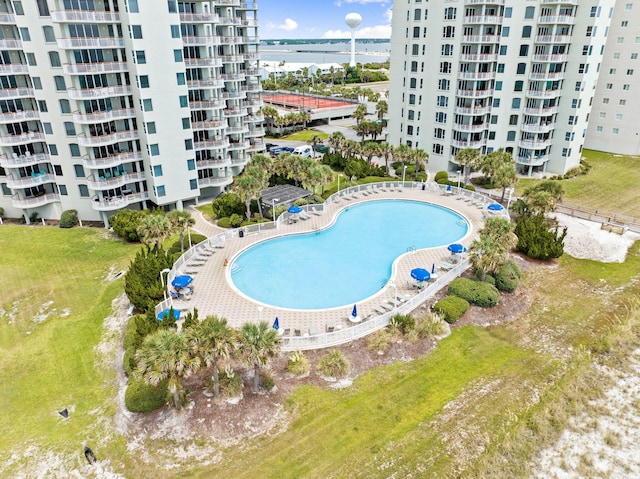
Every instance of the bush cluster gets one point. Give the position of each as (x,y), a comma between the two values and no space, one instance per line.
(442,177)
(334,364)
(430,325)
(142,282)
(480,293)
(142,397)
(508,277)
(451,308)
(125,223)
(298,363)
(403,323)
(230,383)
(537,239)
(227,205)
(266,382)
(69,218)
(379,341)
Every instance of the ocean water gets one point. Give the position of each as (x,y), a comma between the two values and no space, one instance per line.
(325,52)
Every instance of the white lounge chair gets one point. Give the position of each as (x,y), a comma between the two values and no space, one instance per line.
(446,266)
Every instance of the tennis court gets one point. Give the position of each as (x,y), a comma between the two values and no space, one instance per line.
(304,102)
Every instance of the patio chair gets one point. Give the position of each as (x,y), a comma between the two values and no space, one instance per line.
(287,332)
(380,310)
(297,332)
(446,266)
(313,330)
(330,327)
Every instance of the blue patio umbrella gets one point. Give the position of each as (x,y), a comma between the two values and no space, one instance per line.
(276,324)
(181,281)
(167,312)
(449,187)
(354,313)
(495,207)
(456,248)
(420,274)
(294,209)
(433,268)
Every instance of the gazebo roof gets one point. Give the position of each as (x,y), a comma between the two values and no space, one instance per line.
(283,194)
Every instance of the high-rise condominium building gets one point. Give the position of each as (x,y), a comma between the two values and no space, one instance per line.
(106,104)
(614,125)
(488,74)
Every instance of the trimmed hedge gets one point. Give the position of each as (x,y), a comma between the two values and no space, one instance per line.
(441,177)
(195,239)
(508,277)
(68,219)
(476,292)
(141,397)
(403,322)
(451,308)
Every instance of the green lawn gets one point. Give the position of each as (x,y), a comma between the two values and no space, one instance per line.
(305,135)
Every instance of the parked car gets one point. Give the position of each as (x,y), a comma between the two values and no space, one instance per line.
(276,150)
(304,150)
(270,145)
(320,148)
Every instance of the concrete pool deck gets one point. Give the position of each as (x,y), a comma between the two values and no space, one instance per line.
(214,295)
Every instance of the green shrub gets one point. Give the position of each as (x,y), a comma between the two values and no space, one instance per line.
(442,177)
(195,239)
(227,205)
(69,218)
(430,325)
(451,308)
(266,382)
(476,292)
(470,188)
(224,222)
(125,223)
(1,212)
(402,322)
(133,337)
(230,383)
(142,282)
(334,364)
(236,220)
(142,397)
(379,341)
(298,363)
(538,239)
(508,277)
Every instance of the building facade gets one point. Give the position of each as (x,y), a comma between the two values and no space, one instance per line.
(107,104)
(490,74)
(614,125)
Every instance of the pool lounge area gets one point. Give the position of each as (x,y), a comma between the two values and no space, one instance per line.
(214,292)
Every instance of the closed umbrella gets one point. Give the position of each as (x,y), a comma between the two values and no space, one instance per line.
(354,318)
(433,268)
(276,324)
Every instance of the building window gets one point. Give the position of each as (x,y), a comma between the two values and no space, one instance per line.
(522,68)
(526,31)
(175,31)
(24,34)
(49,36)
(184,101)
(605,101)
(565,152)
(133,6)
(46,126)
(443,85)
(508,12)
(42,106)
(612,71)
(602,115)
(589,31)
(443,101)
(446,50)
(620,40)
(141,57)
(84,191)
(186,123)
(74,150)
(609,86)
(500,67)
(147,104)
(438,149)
(445,67)
(154,149)
(618,116)
(416,14)
(79,171)
(160,191)
(518,86)
(503,49)
(624,23)
(62,189)
(494,119)
(448,32)
(410,130)
(496,102)
(628,6)
(412,83)
(412,99)
(439,133)
(144,81)
(524,50)
(65,107)
(414,68)
(180,78)
(511,135)
(622,102)
(31,60)
(151,127)
(615,131)
(136,32)
(634,56)
(193,184)
(157,170)
(450,13)
(513,120)
(177,56)
(498,86)
(529,12)
(172,4)
(441,117)
(578,86)
(630,71)
(60,84)
(506,31)
(57,170)
(626,86)
(37,83)
(5,189)
(599,129)
(69,128)
(191,164)
(188,144)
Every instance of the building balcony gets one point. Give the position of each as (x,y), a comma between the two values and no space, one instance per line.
(258,146)
(547,76)
(479,57)
(215,181)
(102,183)
(206,62)
(537,160)
(259,118)
(84,16)
(203,40)
(211,144)
(16,116)
(255,132)
(21,92)
(483,19)
(205,84)
(16,182)
(208,125)
(480,38)
(233,76)
(17,161)
(34,201)
(469,143)
(233,112)
(545,127)
(242,161)
(240,145)
(475,93)
(535,144)
(254,103)
(227,20)
(250,22)
(232,40)
(245,5)
(14,68)
(25,138)
(237,130)
(251,87)
(469,128)
(554,2)
(543,93)
(10,44)
(102,116)
(484,2)
(126,135)
(112,161)
(90,42)
(251,71)
(117,202)
(552,110)
(239,58)
(251,56)
(476,75)
(199,17)
(104,67)
(206,164)
(562,19)
(550,58)
(234,95)
(472,111)
(555,39)
(207,104)
(7,18)
(93,93)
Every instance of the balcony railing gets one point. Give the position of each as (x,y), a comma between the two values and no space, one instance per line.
(553,39)
(117,202)
(240,145)
(215,181)
(105,92)
(88,16)
(233,76)
(111,161)
(475,93)
(255,132)
(476,110)
(16,161)
(476,75)
(466,127)
(14,68)
(90,42)
(102,183)
(543,93)
(203,40)
(537,127)
(199,17)
(208,125)
(237,130)
(10,44)
(479,57)
(469,143)
(481,39)
(563,19)
(546,76)
(234,95)
(11,140)
(126,135)
(226,20)
(17,92)
(206,62)
(535,144)
(549,57)
(102,116)
(205,164)
(541,111)
(211,144)
(35,201)
(532,160)
(484,19)
(29,181)
(206,83)
(6,17)
(105,67)
(15,116)
(230,112)
(207,104)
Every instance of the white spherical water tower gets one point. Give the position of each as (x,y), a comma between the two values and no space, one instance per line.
(353,20)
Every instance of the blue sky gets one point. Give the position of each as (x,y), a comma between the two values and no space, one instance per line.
(323,18)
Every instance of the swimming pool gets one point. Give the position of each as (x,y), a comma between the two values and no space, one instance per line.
(347,262)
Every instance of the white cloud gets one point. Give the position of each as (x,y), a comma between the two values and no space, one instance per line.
(379,31)
(388,15)
(364,2)
(288,25)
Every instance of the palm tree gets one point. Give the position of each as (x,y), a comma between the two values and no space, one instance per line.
(266,165)
(213,339)
(543,197)
(386,150)
(258,343)
(485,255)
(315,139)
(166,355)
(382,107)
(181,220)
(420,157)
(493,161)
(154,228)
(359,113)
(468,158)
(505,177)
(336,140)
(246,186)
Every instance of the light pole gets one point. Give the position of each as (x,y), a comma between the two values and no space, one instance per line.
(511,190)
(164,289)
(273,209)
(189,235)
(395,289)
(404,172)
(339,175)
(459,173)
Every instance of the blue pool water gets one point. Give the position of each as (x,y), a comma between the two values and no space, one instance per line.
(347,262)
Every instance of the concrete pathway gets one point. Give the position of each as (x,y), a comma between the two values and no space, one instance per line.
(203,226)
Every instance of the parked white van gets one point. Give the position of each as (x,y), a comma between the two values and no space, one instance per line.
(304,150)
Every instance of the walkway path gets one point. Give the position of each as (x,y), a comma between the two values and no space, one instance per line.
(203,226)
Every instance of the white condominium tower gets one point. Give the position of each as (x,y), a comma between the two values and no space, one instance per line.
(107,104)
(488,74)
